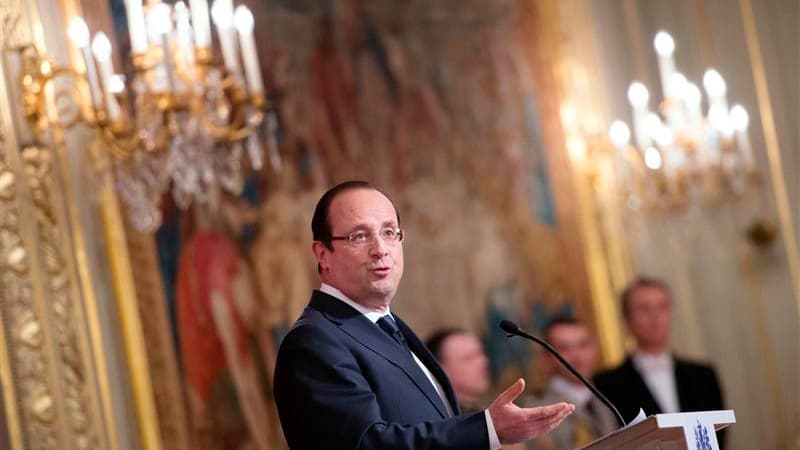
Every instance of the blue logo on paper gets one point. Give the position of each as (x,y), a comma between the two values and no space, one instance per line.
(701,439)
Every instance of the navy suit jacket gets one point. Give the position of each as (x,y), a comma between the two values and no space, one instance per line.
(342,383)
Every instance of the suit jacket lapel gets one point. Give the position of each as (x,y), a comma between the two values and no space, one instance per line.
(371,336)
(430,362)
(682,385)
(641,386)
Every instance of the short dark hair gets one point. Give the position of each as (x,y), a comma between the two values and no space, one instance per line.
(435,342)
(320,222)
(641,281)
(558,321)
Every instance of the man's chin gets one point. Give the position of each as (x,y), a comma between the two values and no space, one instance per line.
(384,289)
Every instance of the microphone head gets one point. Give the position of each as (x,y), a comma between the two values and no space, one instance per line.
(509,326)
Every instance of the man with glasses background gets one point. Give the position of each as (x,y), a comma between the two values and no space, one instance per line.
(350,375)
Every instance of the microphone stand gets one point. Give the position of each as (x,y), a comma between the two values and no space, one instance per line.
(512,329)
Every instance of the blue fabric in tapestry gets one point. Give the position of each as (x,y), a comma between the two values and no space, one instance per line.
(540,193)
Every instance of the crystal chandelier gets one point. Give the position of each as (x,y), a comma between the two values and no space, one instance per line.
(681,156)
(184,123)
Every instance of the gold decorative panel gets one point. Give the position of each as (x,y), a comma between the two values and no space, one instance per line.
(48,375)
(42,319)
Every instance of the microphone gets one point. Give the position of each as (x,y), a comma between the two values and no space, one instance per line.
(513,329)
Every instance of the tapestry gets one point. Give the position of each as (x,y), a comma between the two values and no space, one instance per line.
(450,107)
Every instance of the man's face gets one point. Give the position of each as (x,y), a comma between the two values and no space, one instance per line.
(367,274)
(465,364)
(649,318)
(576,343)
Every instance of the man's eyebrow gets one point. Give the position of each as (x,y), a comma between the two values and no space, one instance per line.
(364,227)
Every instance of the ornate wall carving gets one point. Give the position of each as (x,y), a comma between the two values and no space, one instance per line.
(40,316)
(49,374)
(22,323)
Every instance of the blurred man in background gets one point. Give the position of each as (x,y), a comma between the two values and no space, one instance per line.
(653,377)
(592,419)
(463,359)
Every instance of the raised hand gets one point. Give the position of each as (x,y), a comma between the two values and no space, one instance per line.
(514,424)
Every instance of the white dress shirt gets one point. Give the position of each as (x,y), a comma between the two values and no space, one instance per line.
(658,372)
(373,316)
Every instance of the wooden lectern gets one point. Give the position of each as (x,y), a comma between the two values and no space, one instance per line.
(679,431)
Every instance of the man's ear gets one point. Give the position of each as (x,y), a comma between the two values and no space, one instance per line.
(321,253)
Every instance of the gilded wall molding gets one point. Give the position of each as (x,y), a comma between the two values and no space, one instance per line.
(47,368)
(61,299)
(41,320)
(23,325)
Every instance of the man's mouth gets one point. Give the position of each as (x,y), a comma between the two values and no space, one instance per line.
(381,271)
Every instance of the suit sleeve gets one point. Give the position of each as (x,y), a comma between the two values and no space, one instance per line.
(325,402)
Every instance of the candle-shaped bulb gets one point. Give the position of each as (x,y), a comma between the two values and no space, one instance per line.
(653,124)
(243,19)
(714,84)
(244,24)
(720,120)
(183,26)
(664,136)
(692,95)
(79,32)
(200,26)
(137,29)
(116,83)
(664,44)
(619,133)
(222,13)
(638,95)
(181,10)
(158,19)
(101,47)
(739,118)
(678,85)
(652,158)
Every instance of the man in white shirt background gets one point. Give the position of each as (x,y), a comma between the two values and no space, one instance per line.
(653,377)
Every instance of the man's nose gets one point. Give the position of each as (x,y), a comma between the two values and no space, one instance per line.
(378,247)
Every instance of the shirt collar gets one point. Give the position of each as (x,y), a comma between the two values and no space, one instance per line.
(373,316)
(577,394)
(647,362)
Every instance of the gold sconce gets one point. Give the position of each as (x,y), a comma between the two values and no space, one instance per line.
(184,123)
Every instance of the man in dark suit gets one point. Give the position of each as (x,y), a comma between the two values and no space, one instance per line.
(351,375)
(653,378)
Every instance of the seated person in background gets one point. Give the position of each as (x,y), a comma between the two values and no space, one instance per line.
(462,357)
(653,377)
(592,419)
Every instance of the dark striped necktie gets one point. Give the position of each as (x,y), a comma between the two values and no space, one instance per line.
(389,326)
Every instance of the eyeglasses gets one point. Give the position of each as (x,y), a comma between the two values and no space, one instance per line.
(361,238)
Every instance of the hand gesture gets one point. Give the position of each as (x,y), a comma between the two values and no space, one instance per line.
(514,424)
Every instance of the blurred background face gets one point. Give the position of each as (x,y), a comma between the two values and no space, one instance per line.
(465,363)
(649,318)
(576,343)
